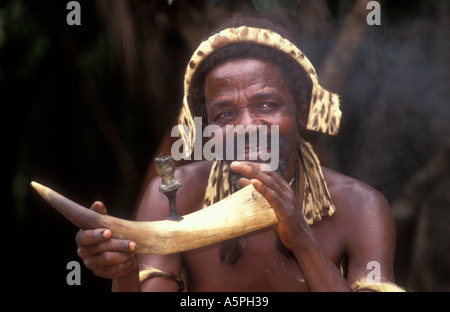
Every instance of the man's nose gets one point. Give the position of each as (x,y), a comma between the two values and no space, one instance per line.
(246,118)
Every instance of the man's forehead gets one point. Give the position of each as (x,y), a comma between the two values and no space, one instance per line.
(258,79)
(247,69)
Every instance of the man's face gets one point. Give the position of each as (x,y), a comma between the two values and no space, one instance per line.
(253,92)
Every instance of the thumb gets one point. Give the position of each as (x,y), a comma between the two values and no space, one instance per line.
(99,207)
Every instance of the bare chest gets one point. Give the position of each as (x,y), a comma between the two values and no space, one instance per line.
(262,267)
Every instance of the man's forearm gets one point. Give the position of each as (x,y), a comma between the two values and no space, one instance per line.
(320,273)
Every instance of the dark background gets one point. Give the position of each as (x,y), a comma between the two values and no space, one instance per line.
(85,108)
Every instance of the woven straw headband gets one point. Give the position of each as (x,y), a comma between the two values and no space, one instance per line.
(324,114)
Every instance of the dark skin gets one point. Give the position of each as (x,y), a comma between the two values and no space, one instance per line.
(253,92)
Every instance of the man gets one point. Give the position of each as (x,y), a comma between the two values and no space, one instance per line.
(330,227)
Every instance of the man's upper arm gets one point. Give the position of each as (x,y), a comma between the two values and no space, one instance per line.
(154,207)
(370,237)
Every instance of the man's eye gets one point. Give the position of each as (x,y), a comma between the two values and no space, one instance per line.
(268,105)
(223,115)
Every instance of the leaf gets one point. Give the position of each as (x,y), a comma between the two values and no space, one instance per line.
(169,2)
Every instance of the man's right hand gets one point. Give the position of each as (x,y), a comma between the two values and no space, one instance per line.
(107,257)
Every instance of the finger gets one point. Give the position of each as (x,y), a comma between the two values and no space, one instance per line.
(99,207)
(251,171)
(112,258)
(243,182)
(105,259)
(112,245)
(270,178)
(269,194)
(118,270)
(277,202)
(247,169)
(101,269)
(239,166)
(117,245)
(92,237)
(264,167)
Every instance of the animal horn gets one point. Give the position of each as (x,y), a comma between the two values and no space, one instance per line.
(243,212)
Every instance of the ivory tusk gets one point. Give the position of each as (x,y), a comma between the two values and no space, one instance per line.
(243,212)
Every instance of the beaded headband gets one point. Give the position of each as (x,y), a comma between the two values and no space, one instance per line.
(324,113)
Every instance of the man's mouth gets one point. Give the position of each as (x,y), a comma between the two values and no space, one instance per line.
(249,149)
(253,152)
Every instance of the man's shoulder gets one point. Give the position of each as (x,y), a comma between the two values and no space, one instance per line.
(354,196)
(339,182)
(194,169)
(362,213)
(362,224)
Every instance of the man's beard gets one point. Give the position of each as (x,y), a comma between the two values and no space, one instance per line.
(281,170)
(231,250)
